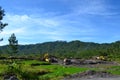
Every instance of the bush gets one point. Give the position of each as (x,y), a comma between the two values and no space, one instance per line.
(27,75)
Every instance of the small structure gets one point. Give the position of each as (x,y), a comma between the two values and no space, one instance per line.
(66,61)
(100,58)
(50,58)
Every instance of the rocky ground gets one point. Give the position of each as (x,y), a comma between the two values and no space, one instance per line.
(94,79)
(93,75)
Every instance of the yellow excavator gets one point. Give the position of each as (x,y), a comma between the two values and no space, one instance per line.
(46,57)
(50,58)
(100,58)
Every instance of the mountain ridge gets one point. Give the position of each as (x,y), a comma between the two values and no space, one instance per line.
(74,48)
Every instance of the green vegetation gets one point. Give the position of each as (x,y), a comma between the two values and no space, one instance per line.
(38,70)
(74,49)
(24,70)
(13,44)
(114,70)
(2,25)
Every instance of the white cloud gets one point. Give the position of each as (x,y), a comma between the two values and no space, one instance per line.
(31,28)
(17,31)
(46,22)
(28,27)
(93,7)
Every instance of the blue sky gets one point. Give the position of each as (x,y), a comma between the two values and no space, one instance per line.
(37,21)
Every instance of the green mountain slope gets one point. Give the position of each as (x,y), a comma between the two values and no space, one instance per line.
(75,49)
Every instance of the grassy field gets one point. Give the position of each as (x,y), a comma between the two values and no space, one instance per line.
(114,70)
(38,70)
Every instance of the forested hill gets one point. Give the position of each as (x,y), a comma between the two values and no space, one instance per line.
(69,49)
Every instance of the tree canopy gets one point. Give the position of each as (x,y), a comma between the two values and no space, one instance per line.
(13,43)
(2,25)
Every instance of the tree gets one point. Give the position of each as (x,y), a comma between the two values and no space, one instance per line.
(2,25)
(13,44)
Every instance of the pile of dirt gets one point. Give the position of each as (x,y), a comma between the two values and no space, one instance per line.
(89,75)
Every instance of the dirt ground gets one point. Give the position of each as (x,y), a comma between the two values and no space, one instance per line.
(118,78)
(94,75)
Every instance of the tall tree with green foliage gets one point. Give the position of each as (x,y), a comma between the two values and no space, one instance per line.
(13,44)
(2,25)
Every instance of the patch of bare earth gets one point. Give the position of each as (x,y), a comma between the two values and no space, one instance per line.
(92,75)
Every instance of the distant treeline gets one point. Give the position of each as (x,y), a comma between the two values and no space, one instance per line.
(75,49)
